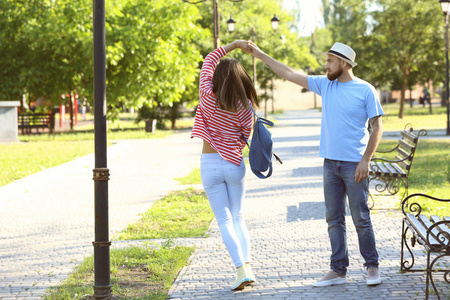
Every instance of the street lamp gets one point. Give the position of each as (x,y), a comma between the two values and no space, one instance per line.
(216,18)
(231,24)
(445,6)
(275,21)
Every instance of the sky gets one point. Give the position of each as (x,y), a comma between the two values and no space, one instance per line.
(310,14)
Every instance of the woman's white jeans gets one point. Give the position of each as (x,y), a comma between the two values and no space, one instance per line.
(224,184)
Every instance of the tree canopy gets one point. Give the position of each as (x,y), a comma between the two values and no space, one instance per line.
(399,42)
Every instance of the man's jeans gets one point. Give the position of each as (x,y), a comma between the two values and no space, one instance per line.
(339,181)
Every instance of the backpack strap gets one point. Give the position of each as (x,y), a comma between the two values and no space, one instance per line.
(269,123)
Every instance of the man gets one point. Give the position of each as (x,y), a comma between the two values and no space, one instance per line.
(348,105)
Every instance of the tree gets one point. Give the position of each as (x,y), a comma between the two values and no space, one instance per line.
(151,50)
(404,34)
(397,40)
(283,44)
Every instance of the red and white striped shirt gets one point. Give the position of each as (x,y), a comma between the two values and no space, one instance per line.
(222,129)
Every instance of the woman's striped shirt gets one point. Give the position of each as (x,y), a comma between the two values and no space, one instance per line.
(222,129)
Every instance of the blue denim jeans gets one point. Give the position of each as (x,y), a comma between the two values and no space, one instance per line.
(339,182)
(224,185)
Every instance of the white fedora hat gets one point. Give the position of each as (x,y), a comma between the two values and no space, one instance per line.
(343,52)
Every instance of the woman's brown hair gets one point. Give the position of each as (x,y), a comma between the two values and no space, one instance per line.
(231,85)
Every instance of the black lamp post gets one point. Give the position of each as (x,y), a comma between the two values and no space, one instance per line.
(102,280)
(445,6)
(216,18)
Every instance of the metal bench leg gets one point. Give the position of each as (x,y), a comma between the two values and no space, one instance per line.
(405,265)
(427,292)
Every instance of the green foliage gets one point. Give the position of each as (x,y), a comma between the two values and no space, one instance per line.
(153,56)
(136,273)
(180,214)
(257,14)
(151,51)
(398,42)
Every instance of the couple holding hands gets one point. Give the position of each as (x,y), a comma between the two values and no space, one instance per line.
(349,106)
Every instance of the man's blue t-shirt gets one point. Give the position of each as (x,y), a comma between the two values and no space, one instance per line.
(346,109)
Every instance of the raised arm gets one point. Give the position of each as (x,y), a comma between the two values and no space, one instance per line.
(211,61)
(278,67)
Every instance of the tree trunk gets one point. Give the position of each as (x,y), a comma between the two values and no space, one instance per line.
(402,97)
(71,110)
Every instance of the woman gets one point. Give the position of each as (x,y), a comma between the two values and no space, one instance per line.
(222,117)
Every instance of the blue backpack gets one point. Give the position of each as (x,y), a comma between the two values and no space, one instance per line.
(260,155)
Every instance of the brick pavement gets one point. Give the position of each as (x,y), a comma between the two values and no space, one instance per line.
(46,223)
(290,247)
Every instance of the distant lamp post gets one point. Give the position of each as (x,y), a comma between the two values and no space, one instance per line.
(275,22)
(445,6)
(216,18)
(231,24)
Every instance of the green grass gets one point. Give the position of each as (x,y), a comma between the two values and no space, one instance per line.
(193,177)
(136,273)
(180,214)
(89,135)
(419,117)
(22,159)
(430,172)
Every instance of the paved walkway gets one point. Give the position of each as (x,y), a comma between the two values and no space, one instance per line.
(46,223)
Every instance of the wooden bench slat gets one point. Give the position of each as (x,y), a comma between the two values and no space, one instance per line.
(382,168)
(427,223)
(399,170)
(441,227)
(447,219)
(420,229)
(402,153)
(406,145)
(411,137)
(391,169)
(373,169)
(405,164)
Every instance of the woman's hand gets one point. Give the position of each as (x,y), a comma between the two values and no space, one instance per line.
(254,49)
(241,44)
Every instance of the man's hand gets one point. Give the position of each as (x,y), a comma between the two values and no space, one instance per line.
(254,50)
(243,45)
(362,171)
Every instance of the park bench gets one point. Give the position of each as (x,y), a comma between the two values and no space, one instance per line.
(433,233)
(28,121)
(389,174)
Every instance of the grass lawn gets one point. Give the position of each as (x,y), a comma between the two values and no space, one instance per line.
(430,172)
(136,273)
(22,159)
(418,116)
(180,214)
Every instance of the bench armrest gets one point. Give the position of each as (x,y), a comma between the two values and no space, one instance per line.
(390,160)
(415,208)
(387,151)
(440,237)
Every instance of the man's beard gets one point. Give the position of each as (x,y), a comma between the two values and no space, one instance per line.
(333,76)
